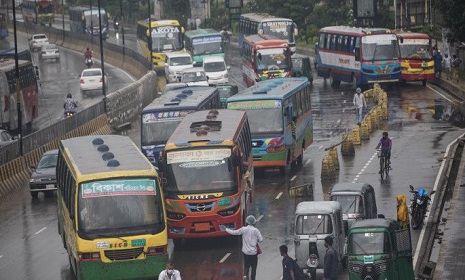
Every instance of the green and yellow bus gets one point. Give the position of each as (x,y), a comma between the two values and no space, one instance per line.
(204,42)
(111,213)
(167,36)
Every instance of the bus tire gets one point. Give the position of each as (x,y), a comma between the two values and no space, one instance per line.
(335,83)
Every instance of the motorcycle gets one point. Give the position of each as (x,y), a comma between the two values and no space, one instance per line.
(89,62)
(419,206)
(226,34)
(116,26)
(69,114)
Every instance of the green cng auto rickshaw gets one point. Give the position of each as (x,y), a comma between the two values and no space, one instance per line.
(301,67)
(379,249)
(225,92)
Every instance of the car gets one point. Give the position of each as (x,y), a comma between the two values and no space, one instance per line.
(194,77)
(6,138)
(216,70)
(49,51)
(37,40)
(43,177)
(175,62)
(91,80)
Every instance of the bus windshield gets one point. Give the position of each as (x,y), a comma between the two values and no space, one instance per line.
(419,51)
(200,170)
(207,45)
(92,20)
(158,127)
(166,38)
(272,59)
(265,116)
(379,47)
(120,206)
(46,9)
(281,29)
(366,243)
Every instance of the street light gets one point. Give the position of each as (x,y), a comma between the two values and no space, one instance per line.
(18,97)
(150,34)
(122,25)
(104,92)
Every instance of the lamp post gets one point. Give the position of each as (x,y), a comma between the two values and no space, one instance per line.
(150,34)
(92,24)
(104,91)
(122,25)
(18,96)
(63,17)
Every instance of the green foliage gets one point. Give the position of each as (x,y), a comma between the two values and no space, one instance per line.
(454,17)
(177,9)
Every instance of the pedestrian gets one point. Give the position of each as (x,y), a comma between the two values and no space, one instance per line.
(455,66)
(402,212)
(438,64)
(447,62)
(359,103)
(250,238)
(198,21)
(288,264)
(330,267)
(169,273)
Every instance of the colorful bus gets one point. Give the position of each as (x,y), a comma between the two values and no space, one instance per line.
(3,23)
(416,56)
(111,213)
(167,36)
(281,121)
(265,57)
(160,118)
(28,89)
(265,24)
(361,56)
(203,42)
(41,12)
(84,20)
(209,174)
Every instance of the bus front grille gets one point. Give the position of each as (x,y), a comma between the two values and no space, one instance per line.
(126,254)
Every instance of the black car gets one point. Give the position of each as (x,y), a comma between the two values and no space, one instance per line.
(43,178)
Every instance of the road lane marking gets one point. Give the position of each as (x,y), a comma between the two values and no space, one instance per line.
(225,257)
(308,161)
(40,230)
(1,256)
(293,178)
(320,147)
(440,94)
(259,218)
(279,195)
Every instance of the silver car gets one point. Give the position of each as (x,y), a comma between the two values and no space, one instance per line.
(49,51)
(37,40)
(44,178)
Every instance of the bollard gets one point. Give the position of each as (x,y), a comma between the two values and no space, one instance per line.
(347,146)
(325,168)
(368,122)
(333,155)
(384,111)
(375,118)
(356,135)
(364,133)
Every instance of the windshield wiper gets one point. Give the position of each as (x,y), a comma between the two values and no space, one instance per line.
(350,206)
(108,236)
(360,247)
(317,227)
(374,53)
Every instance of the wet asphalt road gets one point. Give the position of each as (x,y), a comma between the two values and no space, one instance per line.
(30,247)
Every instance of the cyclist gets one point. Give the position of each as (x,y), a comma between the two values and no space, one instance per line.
(386,144)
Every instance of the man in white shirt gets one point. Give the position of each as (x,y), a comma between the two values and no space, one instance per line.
(359,103)
(250,238)
(169,273)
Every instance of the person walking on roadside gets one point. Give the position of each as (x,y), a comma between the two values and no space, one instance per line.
(455,66)
(437,64)
(250,238)
(360,104)
(447,61)
(330,267)
(288,264)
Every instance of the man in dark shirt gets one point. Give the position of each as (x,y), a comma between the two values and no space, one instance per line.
(288,264)
(330,270)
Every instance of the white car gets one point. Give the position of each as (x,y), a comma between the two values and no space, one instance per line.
(194,77)
(175,62)
(216,70)
(49,51)
(37,40)
(91,80)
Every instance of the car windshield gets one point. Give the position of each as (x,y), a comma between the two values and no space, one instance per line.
(47,161)
(49,47)
(380,47)
(351,204)
(214,66)
(90,73)
(313,224)
(189,77)
(38,37)
(200,171)
(181,60)
(415,51)
(166,38)
(272,59)
(369,243)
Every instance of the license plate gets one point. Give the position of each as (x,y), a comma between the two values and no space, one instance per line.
(202,227)
(50,186)
(90,81)
(138,242)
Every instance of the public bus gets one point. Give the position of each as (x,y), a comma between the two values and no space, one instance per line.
(265,24)
(41,12)
(84,20)
(265,57)
(160,118)
(281,121)
(111,213)
(167,36)
(3,23)
(28,89)
(208,168)
(203,42)
(416,56)
(361,56)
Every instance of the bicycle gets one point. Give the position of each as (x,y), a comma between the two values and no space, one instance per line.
(384,166)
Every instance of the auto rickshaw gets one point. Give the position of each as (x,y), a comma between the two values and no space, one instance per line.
(301,67)
(314,220)
(357,200)
(225,92)
(379,249)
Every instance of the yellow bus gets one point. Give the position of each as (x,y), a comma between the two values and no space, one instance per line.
(111,213)
(208,167)
(167,36)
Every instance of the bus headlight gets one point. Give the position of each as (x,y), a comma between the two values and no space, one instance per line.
(229,211)
(175,216)
(276,149)
(152,251)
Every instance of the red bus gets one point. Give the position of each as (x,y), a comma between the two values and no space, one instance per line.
(265,57)
(28,89)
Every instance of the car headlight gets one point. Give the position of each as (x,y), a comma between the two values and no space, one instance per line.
(225,76)
(32,180)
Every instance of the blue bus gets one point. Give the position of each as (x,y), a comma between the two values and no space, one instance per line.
(361,56)
(85,20)
(161,117)
(280,118)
